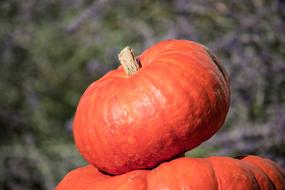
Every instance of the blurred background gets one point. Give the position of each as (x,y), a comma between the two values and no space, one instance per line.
(51,50)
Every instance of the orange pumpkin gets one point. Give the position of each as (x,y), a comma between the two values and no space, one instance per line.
(168,100)
(214,173)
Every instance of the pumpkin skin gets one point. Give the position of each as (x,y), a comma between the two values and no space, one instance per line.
(177,99)
(213,173)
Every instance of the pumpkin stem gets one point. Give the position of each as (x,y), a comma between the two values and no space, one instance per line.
(128,61)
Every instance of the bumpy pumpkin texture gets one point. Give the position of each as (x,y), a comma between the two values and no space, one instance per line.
(177,99)
(213,173)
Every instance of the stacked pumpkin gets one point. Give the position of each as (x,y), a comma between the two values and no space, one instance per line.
(134,123)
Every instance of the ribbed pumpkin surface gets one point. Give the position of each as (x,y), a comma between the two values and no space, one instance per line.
(213,173)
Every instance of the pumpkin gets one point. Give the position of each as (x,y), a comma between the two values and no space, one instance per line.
(166,101)
(213,173)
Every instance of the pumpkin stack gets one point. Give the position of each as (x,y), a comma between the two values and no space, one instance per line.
(133,124)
